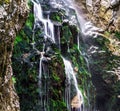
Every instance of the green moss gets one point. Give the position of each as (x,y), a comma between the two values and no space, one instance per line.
(117,34)
(57,16)
(17,39)
(67,33)
(4,1)
(25,66)
(58,105)
(30,21)
(56,78)
(57,72)
(14,80)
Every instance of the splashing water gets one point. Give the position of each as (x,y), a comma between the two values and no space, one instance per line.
(77,102)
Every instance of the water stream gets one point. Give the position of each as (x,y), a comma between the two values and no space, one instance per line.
(73,104)
(48,25)
(78,102)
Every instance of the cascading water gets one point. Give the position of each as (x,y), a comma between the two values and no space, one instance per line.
(43,86)
(87,28)
(78,103)
(51,29)
(43,72)
(48,25)
(73,104)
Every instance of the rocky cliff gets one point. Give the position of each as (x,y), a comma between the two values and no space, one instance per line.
(12,17)
(95,61)
(104,50)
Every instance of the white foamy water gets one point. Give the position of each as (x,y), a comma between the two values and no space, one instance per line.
(48,25)
(79,101)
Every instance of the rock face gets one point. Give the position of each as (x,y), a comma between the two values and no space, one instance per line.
(12,16)
(103,13)
(102,53)
(48,90)
(104,69)
(103,50)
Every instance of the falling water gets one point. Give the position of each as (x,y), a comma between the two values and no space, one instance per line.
(40,66)
(51,29)
(48,25)
(87,28)
(43,86)
(49,32)
(40,78)
(67,86)
(43,69)
(78,103)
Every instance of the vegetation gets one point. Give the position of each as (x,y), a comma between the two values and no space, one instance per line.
(38,67)
(117,34)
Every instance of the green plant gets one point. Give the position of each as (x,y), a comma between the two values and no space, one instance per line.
(117,34)
(14,79)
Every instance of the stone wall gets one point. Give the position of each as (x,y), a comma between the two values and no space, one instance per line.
(12,17)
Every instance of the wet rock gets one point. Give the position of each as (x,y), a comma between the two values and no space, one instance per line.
(103,13)
(76,69)
(12,17)
(76,103)
(101,62)
(49,52)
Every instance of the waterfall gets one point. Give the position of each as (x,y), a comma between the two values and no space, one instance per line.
(43,86)
(87,27)
(67,85)
(43,68)
(51,29)
(40,82)
(40,66)
(48,25)
(73,103)
(78,103)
